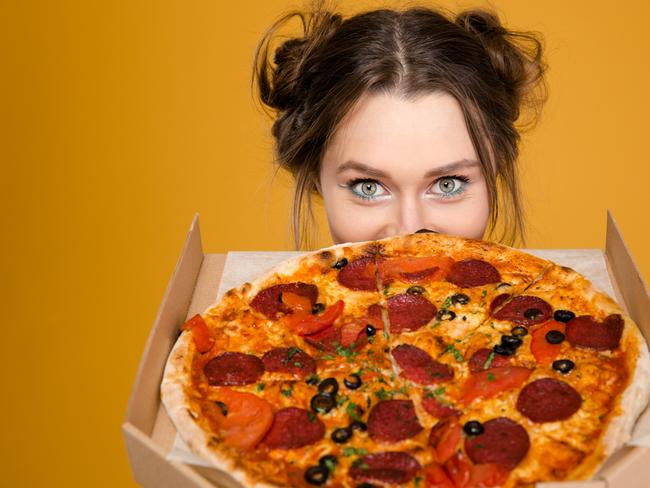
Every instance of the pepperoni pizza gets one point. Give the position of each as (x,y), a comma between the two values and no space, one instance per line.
(420,360)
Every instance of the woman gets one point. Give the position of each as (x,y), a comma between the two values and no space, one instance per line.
(402,120)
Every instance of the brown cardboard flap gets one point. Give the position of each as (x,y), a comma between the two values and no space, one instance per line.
(152,467)
(627,277)
(145,399)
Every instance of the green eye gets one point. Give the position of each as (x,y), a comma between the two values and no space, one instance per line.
(369,188)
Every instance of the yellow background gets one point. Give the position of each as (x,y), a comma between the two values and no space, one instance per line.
(120,119)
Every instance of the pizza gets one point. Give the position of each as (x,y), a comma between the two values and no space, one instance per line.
(420,360)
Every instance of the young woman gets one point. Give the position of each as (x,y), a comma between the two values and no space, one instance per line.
(402,120)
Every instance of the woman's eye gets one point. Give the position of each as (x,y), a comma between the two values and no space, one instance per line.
(367,189)
(449,186)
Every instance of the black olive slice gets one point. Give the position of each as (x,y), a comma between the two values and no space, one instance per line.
(563,315)
(223,407)
(415,290)
(512,341)
(460,299)
(352,382)
(322,403)
(370,330)
(444,314)
(519,331)
(358,425)
(316,475)
(554,337)
(340,264)
(532,313)
(329,386)
(564,366)
(503,350)
(317,308)
(473,427)
(342,435)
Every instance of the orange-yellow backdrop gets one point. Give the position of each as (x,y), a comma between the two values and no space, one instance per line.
(122,119)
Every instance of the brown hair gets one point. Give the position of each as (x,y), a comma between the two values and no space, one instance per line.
(493,72)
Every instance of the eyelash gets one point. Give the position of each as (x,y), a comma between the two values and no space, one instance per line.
(355,181)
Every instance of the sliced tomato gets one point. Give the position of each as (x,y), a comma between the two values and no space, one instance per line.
(545,352)
(374,317)
(490,382)
(436,408)
(436,477)
(247,420)
(487,475)
(415,269)
(201,334)
(444,438)
(297,303)
(351,330)
(459,470)
(305,323)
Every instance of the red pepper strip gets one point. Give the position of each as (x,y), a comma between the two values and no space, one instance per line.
(490,382)
(544,351)
(305,324)
(201,335)
(444,438)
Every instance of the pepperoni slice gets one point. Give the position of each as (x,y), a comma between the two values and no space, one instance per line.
(525,310)
(289,360)
(498,301)
(359,274)
(479,360)
(435,408)
(292,428)
(269,300)
(326,340)
(503,441)
(409,312)
(393,421)
(584,331)
(548,400)
(393,467)
(233,369)
(416,365)
(473,272)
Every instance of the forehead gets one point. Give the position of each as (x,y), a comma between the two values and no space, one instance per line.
(385,129)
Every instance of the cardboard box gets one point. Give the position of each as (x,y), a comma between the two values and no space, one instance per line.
(149,433)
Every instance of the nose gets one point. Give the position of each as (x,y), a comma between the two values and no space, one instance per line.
(411,216)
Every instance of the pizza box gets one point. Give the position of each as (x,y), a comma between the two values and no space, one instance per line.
(150,436)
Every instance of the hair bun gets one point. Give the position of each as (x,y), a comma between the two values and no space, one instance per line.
(515,56)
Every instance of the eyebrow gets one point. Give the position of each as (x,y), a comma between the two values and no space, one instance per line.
(442,170)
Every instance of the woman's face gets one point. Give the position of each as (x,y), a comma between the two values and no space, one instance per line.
(396,166)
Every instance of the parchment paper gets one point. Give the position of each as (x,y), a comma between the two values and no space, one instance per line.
(242,266)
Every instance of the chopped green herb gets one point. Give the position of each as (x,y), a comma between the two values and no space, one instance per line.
(371,339)
(346,352)
(447,303)
(328,357)
(259,387)
(439,391)
(386,289)
(417,481)
(352,411)
(297,364)
(436,324)
(288,392)
(490,377)
(352,451)
(368,402)
(313,378)
(311,416)
(457,354)
(342,399)
(489,360)
(429,394)
(358,463)
(330,465)
(483,293)
(386,334)
(383,394)
(291,352)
